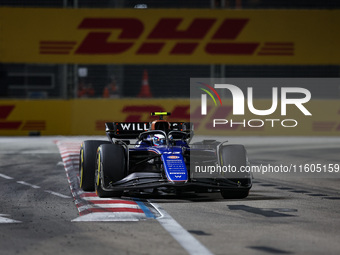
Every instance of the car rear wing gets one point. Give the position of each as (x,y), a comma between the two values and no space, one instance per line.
(131,130)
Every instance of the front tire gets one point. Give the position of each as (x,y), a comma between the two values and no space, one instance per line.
(87,163)
(110,167)
(235,155)
(234,193)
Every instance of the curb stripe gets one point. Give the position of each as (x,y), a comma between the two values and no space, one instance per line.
(145,209)
(92,210)
(88,202)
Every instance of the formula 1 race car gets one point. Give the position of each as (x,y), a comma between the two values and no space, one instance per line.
(161,159)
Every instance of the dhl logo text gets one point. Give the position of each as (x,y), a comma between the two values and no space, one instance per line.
(112,36)
(29,125)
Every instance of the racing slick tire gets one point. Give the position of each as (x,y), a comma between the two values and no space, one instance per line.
(207,144)
(87,163)
(234,194)
(110,168)
(235,155)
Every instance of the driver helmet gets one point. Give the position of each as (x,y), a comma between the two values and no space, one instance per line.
(159,139)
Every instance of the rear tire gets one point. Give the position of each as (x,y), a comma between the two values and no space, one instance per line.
(205,144)
(87,163)
(236,156)
(110,167)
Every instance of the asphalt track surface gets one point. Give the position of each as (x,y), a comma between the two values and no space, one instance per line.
(284,213)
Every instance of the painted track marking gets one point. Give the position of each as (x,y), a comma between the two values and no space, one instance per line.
(34,186)
(4,219)
(28,184)
(6,177)
(56,194)
(183,237)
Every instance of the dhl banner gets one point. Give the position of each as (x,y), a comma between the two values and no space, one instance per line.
(87,117)
(171,36)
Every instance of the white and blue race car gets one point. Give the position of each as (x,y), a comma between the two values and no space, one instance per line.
(162,158)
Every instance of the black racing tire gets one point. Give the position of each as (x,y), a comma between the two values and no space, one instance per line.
(205,144)
(87,163)
(235,193)
(110,167)
(235,155)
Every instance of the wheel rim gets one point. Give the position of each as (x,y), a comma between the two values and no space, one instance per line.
(81,166)
(98,170)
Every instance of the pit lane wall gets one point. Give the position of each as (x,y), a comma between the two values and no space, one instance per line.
(87,117)
(169,36)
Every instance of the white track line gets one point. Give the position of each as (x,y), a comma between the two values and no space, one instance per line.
(6,177)
(56,194)
(34,186)
(28,184)
(183,237)
(6,220)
